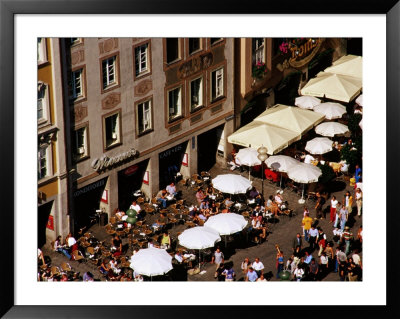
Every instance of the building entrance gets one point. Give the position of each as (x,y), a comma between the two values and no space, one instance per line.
(170,162)
(207,145)
(43,217)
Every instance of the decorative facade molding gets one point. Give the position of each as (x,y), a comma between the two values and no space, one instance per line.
(108,45)
(143,87)
(111,101)
(77,57)
(195,65)
(80,112)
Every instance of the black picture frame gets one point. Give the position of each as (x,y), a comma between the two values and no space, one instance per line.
(8,10)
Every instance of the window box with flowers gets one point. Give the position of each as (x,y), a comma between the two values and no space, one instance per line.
(259,70)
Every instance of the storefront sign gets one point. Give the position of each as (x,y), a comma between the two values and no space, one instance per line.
(90,187)
(104,162)
(303,54)
(185,160)
(50,222)
(170,152)
(194,65)
(104,197)
(146,178)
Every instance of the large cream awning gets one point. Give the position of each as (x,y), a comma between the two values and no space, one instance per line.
(291,118)
(350,65)
(256,134)
(333,86)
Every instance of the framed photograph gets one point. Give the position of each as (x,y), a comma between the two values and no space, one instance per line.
(23,23)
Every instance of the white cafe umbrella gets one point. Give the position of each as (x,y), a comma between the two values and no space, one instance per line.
(331,129)
(359,100)
(231,184)
(151,262)
(330,110)
(247,156)
(281,163)
(304,173)
(319,145)
(226,223)
(199,238)
(306,102)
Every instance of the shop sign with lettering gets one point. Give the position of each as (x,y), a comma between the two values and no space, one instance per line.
(170,151)
(303,54)
(106,162)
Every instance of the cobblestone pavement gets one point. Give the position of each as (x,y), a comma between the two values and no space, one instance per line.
(282,233)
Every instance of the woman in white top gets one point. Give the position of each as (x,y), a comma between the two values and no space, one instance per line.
(359,201)
(334,203)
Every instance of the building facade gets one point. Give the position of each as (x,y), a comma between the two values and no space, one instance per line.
(139,110)
(288,63)
(52,184)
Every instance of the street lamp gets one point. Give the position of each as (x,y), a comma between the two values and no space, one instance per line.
(262,156)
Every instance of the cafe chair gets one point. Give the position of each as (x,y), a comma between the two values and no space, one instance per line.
(78,256)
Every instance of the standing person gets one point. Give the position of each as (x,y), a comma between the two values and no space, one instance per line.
(323,265)
(347,237)
(348,202)
(299,273)
(258,266)
(357,173)
(337,215)
(297,242)
(358,201)
(279,261)
(340,257)
(331,255)
(306,223)
(229,274)
(313,237)
(219,272)
(251,275)
(343,216)
(166,241)
(321,241)
(318,207)
(245,265)
(334,203)
(218,257)
(313,270)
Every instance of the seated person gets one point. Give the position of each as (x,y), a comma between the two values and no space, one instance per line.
(165,240)
(257,211)
(193,212)
(121,215)
(228,203)
(268,203)
(254,193)
(213,209)
(152,244)
(71,242)
(161,197)
(135,206)
(210,190)
(275,209)
(200,196)
(113,264)
(158,225)
(61,248)
(116,246)
(231,159)
(278,199)
(307,158)
(204,205)
(88,276)
(171,189)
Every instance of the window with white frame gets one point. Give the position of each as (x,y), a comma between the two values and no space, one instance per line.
(194,45)
(112,130)
(196,93)
(174,103)
(217,83)
(42,103)
(41,50)
(109,71)
(76,84)
(258,50)
(44,164)
(81,142)
(173,53)
(142,59)
(144,120)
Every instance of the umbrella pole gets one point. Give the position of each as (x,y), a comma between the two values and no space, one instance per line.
(249,172)
(280,184)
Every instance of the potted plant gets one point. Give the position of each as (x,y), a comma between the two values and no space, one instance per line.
(259,70)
